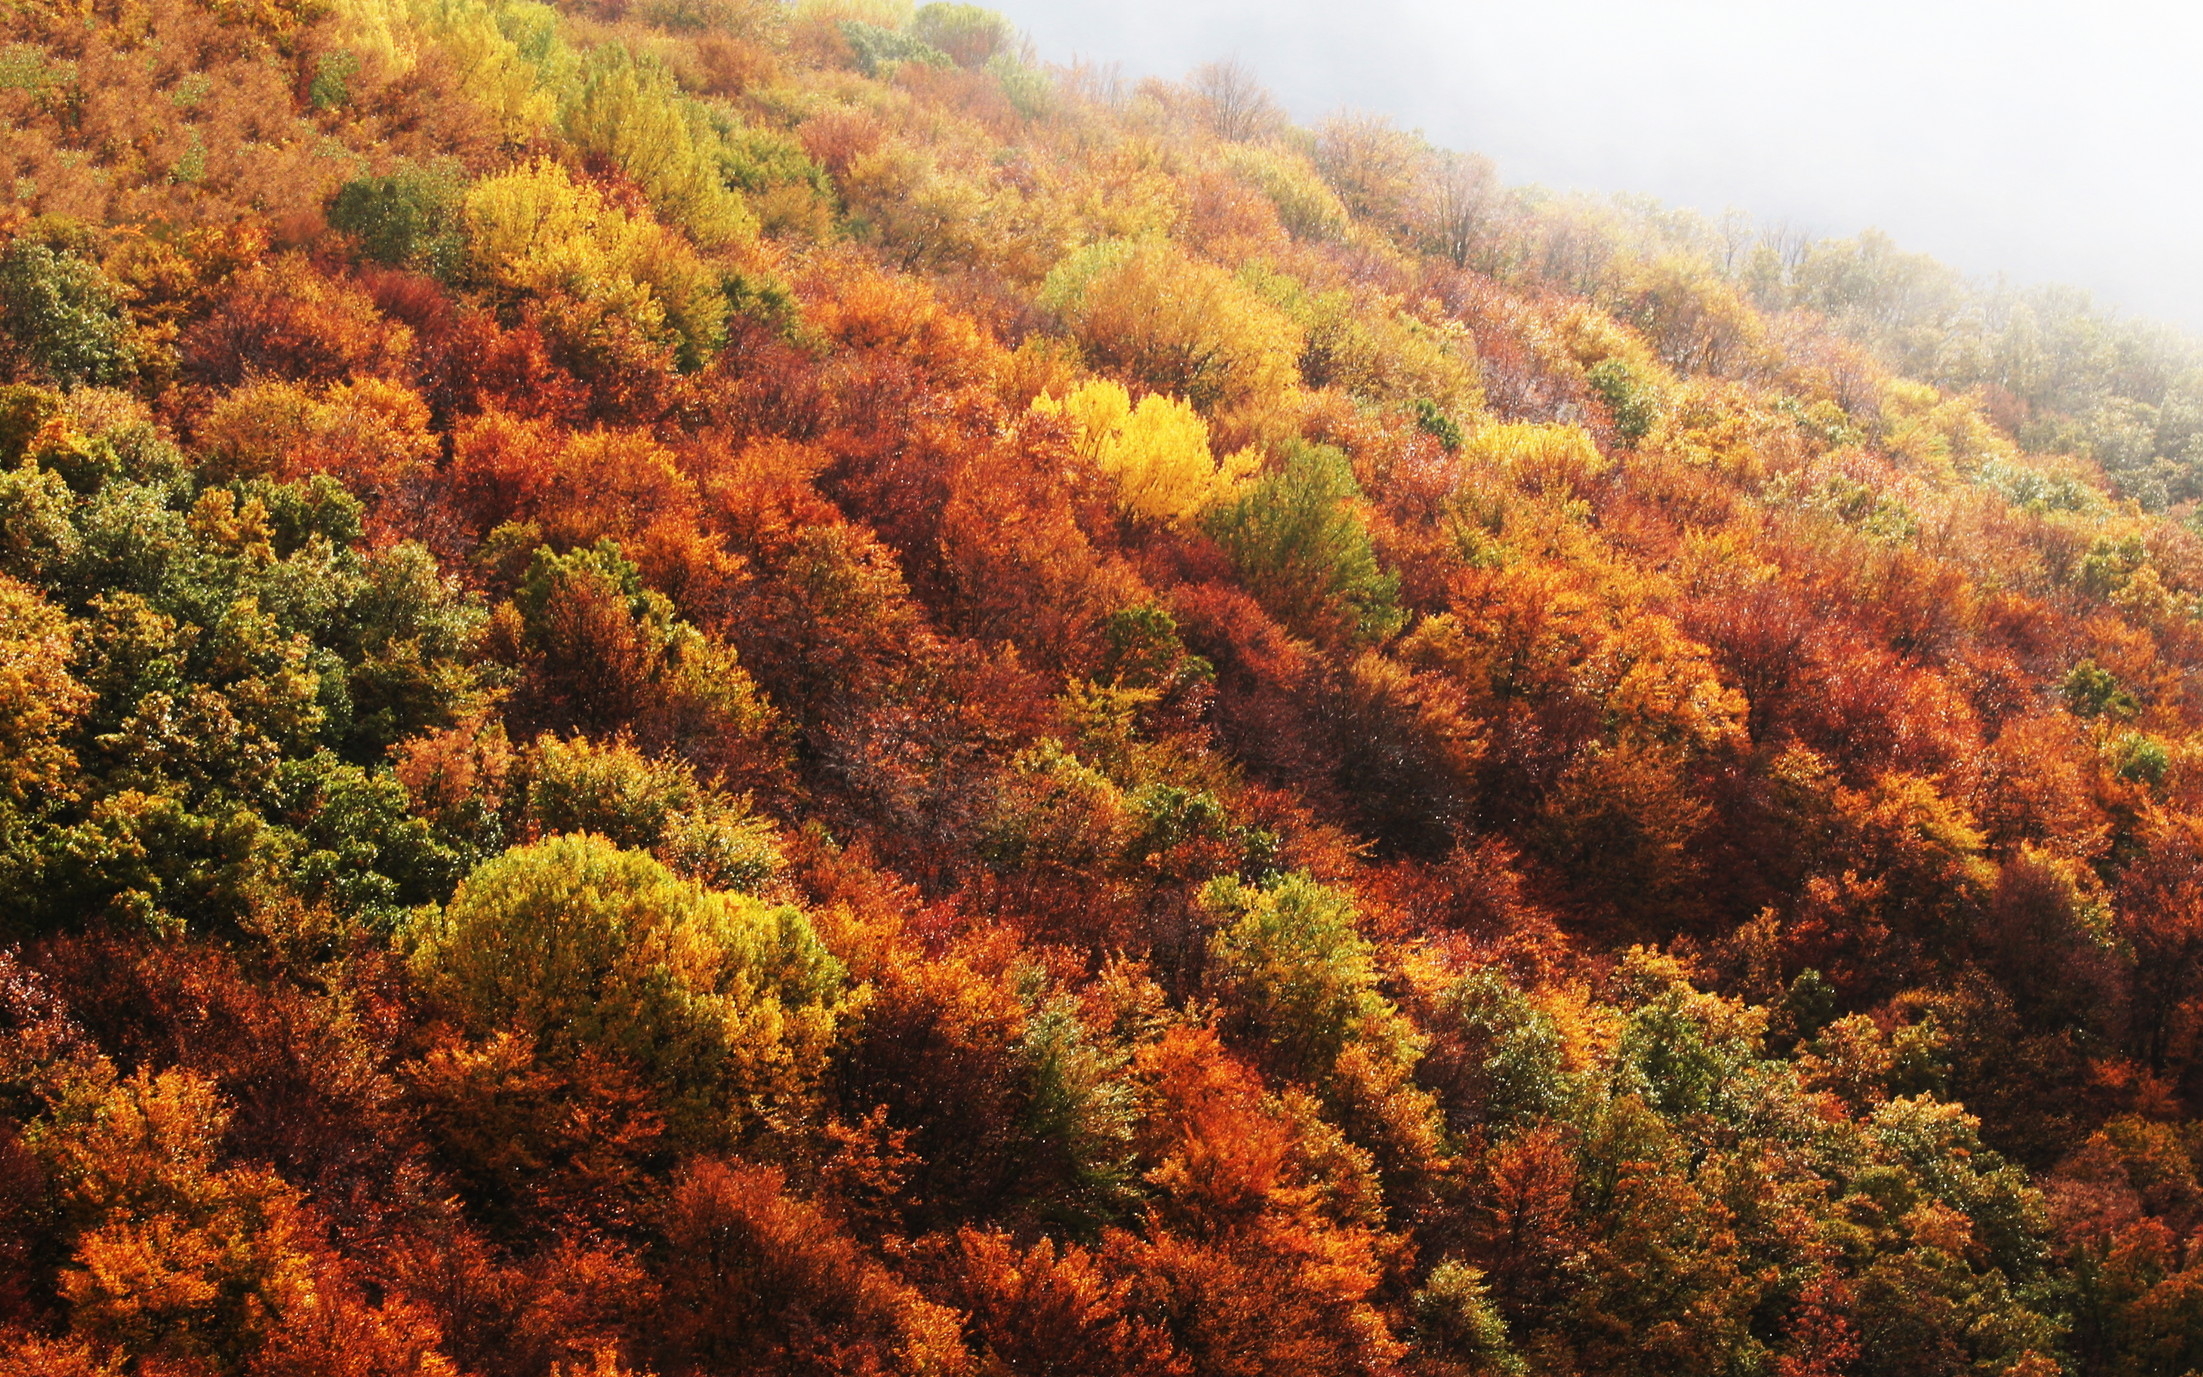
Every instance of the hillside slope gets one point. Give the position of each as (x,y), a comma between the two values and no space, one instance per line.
(700,687)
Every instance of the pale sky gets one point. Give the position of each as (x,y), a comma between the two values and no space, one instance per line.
(2052,141)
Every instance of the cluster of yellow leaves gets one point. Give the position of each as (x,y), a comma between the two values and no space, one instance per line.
(38,698)
(1156,452)
(505,55)
(1552,459)
(630,113)
(535,230)
(1175,323)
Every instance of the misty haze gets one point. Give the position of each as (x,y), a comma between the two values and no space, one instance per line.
(2056,142)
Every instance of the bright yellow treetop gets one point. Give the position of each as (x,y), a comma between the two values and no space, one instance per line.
(1156,452)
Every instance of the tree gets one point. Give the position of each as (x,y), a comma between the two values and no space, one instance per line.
(370,435)
(971,35)
(1696,321)
(407,218)
(762,1282)
(64,315)
(1306,205)
(1052,1308)
(1237,107)
(39,699)
(614,791)
(629,113)
(1175,323)
(878,50)
(604,653)
(615,286)
(1303,549)
(1410,753)
(1253,1258)
(1495,1057)
(1629,400)
(1157,453)
(281,318)
(2090,690)
(1527,1222)
(176,1260)
(2158,914)
(1458,207)
(1456,1328)
(1295,976)
(1374,166)
(723,1001)
(1549,459)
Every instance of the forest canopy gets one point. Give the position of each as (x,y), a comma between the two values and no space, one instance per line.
(720,686)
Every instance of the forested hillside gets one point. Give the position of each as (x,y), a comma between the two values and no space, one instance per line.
(697,687)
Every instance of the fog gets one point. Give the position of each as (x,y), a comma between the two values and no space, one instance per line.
(2049,142)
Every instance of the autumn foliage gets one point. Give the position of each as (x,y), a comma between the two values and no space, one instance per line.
(710,686)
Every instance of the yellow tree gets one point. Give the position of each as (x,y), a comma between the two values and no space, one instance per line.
(630,113)
(1175,323)
(39,701)
(535,230)
(1157,452)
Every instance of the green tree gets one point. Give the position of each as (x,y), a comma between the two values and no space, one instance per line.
(407,218)
(1303,549)
(1457,1325)
(878,49)
(2090,690)
(617,792)
(725,1002)
(1495,1055)
(1629,399)
(1295,975)
(968,34)
(64,315)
